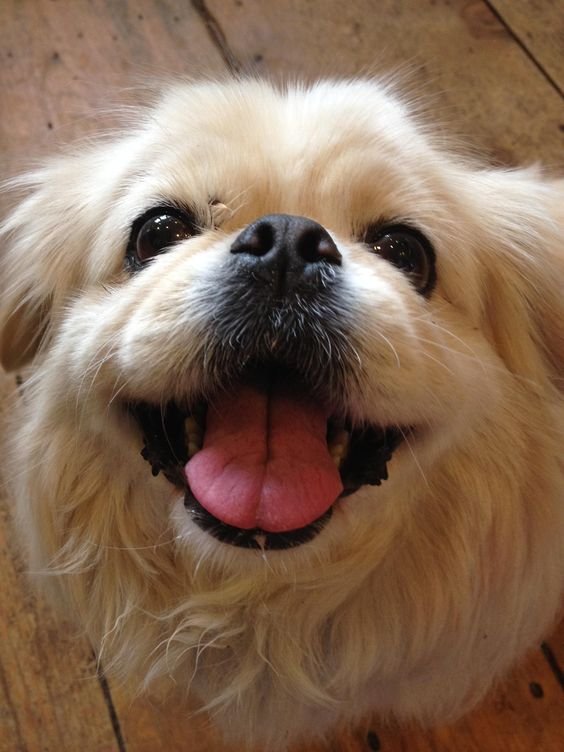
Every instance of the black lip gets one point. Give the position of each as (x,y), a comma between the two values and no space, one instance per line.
(248,538)
(165,450)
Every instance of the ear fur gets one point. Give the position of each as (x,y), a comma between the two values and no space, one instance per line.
(44,244)
(523,259)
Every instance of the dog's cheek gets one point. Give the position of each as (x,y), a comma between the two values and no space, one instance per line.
(391,364)
(421,361)
(146,334)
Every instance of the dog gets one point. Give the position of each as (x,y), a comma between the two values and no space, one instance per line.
(290,429)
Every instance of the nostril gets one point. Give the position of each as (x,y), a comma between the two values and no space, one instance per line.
(285,241)
(257,240)
(315,244)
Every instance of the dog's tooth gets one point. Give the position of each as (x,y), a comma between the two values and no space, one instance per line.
(193,434)
(339,446)
(260,539)
(337,454)
(340,438)
(192,426)
(192,429)
(193,448)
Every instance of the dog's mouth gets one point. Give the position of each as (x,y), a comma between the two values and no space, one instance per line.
(263,464)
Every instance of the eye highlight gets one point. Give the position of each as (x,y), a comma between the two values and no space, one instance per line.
(156,231)
(408,250)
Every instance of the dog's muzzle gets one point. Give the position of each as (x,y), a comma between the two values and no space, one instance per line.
(268,450)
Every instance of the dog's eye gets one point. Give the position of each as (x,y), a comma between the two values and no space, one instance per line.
(157,231)
(408,249)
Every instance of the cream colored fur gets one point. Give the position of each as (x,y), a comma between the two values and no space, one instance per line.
(418,593)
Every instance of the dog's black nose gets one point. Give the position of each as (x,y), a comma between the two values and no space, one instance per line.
(289,248)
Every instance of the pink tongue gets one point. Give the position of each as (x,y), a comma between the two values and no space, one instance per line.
(265,461)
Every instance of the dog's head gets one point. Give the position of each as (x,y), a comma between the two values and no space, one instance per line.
(315,325)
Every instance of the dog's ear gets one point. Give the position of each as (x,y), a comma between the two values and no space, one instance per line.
(522,216)
(44,245)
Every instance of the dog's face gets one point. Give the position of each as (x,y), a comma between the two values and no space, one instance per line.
(282,344)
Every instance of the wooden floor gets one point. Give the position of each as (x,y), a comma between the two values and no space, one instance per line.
(491,70)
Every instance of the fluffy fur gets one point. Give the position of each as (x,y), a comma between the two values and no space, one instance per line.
(418,593)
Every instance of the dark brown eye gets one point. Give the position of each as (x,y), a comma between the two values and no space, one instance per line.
(407,249)
(156,231)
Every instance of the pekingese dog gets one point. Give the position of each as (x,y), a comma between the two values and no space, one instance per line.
(290,433)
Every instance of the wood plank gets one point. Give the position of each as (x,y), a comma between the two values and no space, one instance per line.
(50,697)
(555,651)
(463,61)
(148,725)
(63,64)
(539,26)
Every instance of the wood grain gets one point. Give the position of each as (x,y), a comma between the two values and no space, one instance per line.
(65,65)
(147,725)
(555,652)
(461,60)
(50,697)
(539,27)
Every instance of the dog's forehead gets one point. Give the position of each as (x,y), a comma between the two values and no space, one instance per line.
(326,113)
(292,149)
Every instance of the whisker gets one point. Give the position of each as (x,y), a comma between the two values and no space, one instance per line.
(415,459)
